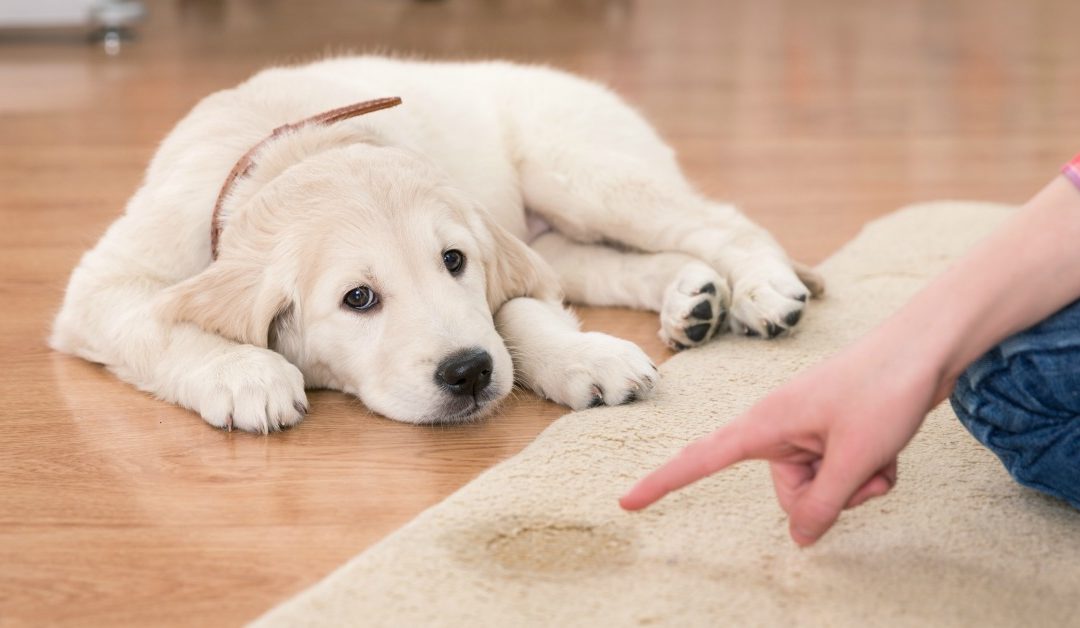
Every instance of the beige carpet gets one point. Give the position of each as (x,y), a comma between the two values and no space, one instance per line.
(539,540)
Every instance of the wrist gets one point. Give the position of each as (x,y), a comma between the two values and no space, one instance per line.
(922,346)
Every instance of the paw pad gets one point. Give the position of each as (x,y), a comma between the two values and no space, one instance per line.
(695,305)
(767,302)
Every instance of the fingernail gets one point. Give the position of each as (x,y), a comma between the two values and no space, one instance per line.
(803,538)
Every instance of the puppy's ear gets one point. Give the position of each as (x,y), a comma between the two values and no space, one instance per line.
(232,299)
(513,269)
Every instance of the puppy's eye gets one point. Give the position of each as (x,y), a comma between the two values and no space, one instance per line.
(454,261)
(361,298)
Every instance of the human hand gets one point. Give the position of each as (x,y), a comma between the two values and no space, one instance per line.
(831,436)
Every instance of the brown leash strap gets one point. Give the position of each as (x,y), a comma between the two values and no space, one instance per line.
(247,162)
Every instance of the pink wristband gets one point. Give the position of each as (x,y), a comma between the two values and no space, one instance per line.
(1071,171)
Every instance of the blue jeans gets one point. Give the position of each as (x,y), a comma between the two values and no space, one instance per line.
(1022,400)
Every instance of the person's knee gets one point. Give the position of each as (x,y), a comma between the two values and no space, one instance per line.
(1029,420)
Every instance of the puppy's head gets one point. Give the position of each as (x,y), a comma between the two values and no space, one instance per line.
(364,268)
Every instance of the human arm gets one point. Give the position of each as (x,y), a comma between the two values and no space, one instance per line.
(833,433)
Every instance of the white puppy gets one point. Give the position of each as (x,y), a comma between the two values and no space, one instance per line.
(385,254)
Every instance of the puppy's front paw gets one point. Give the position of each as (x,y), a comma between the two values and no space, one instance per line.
(595,369)
(767,300)
(248,388)
(695,305)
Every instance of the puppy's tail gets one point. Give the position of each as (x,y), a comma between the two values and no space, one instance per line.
(810,278)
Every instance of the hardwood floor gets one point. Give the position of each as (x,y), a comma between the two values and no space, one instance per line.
(815,117)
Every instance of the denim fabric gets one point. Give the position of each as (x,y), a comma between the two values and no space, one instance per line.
(1022,400)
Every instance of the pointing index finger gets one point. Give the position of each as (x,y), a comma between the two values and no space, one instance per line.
(724,447)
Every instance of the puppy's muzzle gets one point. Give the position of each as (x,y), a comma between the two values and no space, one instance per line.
(465,373)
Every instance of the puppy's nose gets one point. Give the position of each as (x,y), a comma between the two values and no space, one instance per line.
(466,372)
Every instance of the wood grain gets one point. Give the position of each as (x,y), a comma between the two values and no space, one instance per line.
(116,509)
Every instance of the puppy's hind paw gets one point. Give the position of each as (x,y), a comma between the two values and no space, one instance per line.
(695,306)
(768,302)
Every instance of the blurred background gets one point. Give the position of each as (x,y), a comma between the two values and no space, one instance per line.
(814,117)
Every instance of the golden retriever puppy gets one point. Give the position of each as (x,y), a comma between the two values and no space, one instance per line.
(303,231)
